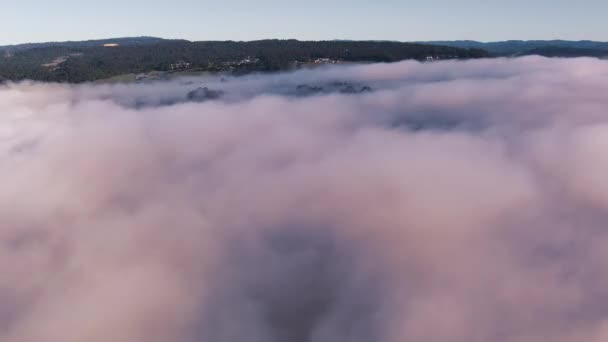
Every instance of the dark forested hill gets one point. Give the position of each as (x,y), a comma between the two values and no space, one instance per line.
(553,48)
(126,41)
(93,60)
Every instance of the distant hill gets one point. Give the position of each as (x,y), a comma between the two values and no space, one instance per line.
(125,41)
(553,48)
(92,60)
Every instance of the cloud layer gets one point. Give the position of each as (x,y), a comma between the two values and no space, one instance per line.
(454,202)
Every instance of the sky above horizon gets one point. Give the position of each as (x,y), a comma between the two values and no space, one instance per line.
(26,21)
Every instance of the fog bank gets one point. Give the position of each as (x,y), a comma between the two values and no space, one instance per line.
(441,202)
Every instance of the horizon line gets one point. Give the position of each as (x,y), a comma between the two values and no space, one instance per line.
(305,40)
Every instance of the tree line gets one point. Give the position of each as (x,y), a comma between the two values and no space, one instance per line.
(89,63)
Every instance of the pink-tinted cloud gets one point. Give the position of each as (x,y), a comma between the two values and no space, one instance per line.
(456,201)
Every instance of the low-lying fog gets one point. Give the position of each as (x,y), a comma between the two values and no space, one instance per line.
(441,202)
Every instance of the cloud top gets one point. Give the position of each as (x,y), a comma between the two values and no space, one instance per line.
(449,201)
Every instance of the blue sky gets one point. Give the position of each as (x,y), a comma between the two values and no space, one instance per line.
(406,20)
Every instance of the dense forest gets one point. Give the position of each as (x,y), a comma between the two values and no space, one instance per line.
(91,60)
